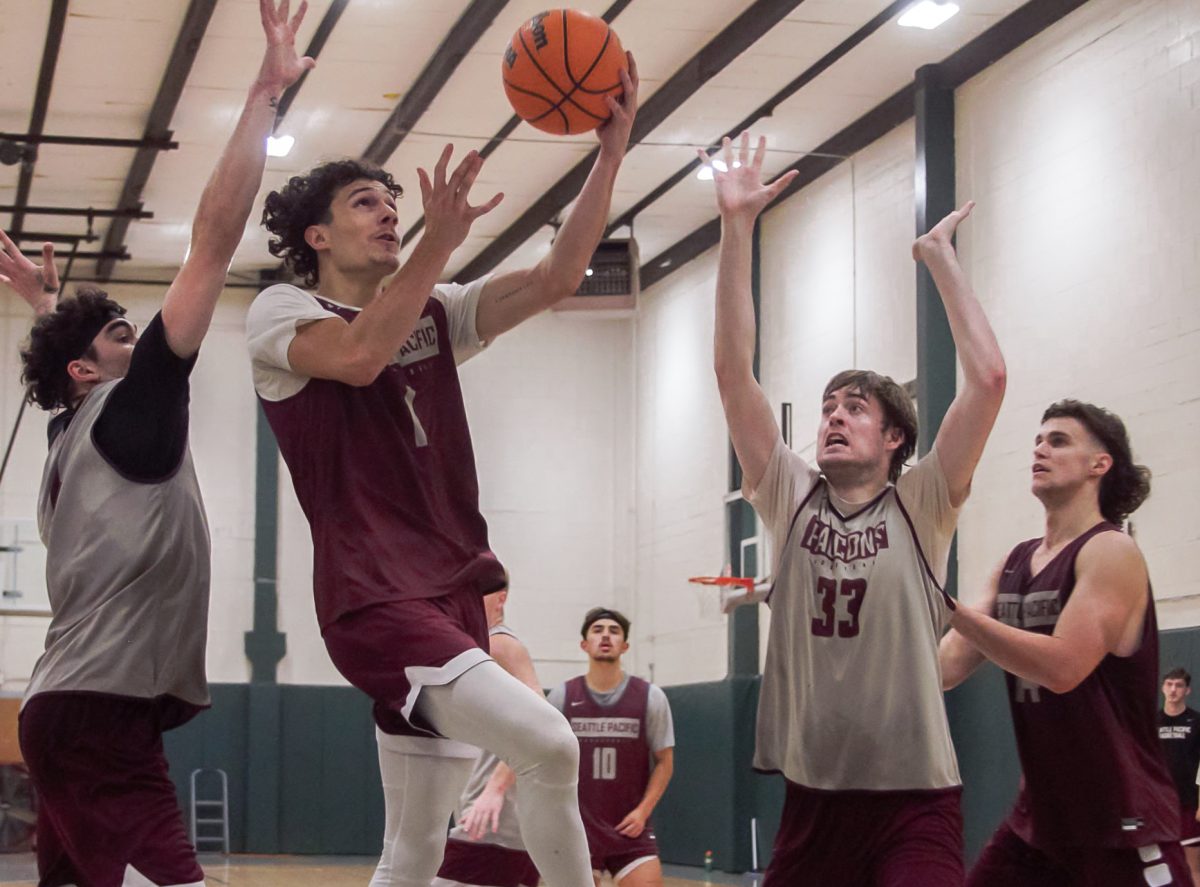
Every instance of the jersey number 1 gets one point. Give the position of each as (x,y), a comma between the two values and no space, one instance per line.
(855,590)
(410,397)
(604,763)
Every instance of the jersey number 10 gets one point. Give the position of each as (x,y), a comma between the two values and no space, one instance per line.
(604,763)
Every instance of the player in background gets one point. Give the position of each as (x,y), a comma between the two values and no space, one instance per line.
(1179,732)
(627,752)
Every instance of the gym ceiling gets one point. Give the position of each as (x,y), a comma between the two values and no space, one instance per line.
(112,112)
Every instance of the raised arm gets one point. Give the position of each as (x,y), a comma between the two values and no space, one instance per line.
(37,285)
(356,353)
(1104,615)
(229,195)
(968,422)
(508,299)
(741,196)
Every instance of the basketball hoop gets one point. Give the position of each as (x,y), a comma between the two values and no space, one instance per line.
(735,590)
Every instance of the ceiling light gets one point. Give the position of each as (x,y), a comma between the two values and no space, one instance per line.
(279,147)
(927,14)
(705,173)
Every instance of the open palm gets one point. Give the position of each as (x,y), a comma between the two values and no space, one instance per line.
(740,188)
(281,66)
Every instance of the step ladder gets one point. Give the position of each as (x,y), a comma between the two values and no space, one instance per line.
(208,812)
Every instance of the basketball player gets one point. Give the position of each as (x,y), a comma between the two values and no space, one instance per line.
(627,753)
(851,705)
(125,532)
(359,383)
(1179,733)
(485,846)
(1070,617)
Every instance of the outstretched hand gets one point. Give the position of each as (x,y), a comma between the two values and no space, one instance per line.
(483,816)
(740,188)
(614,132)
(448,215)
(37,285)
(281,67)
(941,236)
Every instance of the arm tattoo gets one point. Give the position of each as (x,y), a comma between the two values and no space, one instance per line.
(512,292)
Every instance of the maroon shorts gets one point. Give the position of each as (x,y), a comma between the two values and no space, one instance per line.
(105,799)
(1007,861)
(620,864)
(487,865)
(391,650)
(1189,829)
(868,839)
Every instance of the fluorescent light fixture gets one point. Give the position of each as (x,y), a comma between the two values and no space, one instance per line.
(279,147)
(705,173)
(927,14)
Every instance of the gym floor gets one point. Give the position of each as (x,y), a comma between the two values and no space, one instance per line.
(19,870)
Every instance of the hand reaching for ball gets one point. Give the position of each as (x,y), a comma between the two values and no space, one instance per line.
(614,132)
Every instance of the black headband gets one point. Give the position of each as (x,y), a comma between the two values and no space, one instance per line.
(596,614)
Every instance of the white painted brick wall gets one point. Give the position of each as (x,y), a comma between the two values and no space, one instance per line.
(1082,148)
(682,476)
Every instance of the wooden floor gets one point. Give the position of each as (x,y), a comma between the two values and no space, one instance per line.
(277,871)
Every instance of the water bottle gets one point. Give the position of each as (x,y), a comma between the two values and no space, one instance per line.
(708,860)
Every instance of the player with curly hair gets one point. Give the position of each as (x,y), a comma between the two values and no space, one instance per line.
(358,380)
(127,545)
(1070,617)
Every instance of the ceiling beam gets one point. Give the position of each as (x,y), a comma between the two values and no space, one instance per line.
(187,45)
(87,141)
(766,109)
(755,21)
(99,255)
(506,130)
(461,38)
(319,38)
(41,103)
(137,213)
(997,41)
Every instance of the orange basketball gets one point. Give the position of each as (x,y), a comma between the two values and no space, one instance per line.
(559,67)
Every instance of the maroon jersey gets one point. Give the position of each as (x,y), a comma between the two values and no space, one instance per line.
(385,472)
(1094,774)
(614,760)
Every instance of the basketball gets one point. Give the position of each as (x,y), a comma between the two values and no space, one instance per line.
(558,68)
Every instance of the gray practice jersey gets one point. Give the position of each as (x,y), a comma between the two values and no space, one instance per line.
(127,571)
(852,693)
(508,833)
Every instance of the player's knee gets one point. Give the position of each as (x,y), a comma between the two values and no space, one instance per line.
(558,752)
